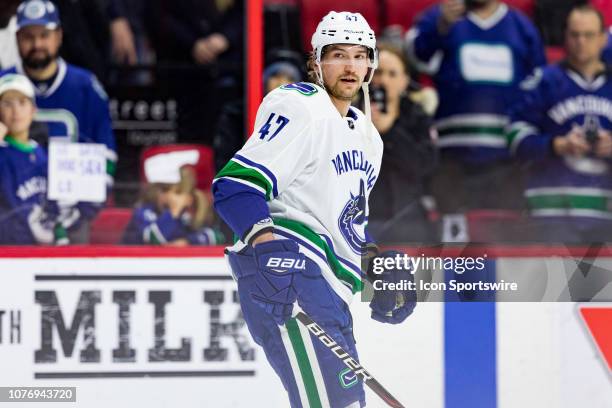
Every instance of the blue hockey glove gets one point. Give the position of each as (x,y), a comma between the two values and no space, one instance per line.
(277,262)
(392,306)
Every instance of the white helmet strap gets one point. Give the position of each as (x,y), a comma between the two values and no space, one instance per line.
(320,75)
(368,113)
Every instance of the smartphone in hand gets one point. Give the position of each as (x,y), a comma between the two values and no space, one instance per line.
(378,96)
(591,129)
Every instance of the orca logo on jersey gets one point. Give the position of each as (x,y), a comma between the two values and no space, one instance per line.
(304,88)
(354,213)
(287,263)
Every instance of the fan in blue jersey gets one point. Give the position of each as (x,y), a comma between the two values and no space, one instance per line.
(70,100)
(478,52)
(563,125)
(26,218)
(175,214)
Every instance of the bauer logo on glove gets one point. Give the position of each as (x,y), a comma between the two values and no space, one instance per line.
(277,263)
(287,263)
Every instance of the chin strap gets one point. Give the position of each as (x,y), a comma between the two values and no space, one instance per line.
(320,76)
(366,104)
(368,114)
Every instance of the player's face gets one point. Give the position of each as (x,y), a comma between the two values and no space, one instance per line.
(38,46)
(391,75)
(344,68)
(16,111)
(584,37)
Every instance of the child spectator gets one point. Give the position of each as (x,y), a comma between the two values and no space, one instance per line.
(173,214)
(26,218)
(70,100)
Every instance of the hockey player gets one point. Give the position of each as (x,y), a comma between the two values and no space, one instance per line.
(26,218)
(564,126)
(70,100)
(477,51)
(296,196)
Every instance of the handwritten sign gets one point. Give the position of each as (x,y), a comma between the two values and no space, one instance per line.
(77,172)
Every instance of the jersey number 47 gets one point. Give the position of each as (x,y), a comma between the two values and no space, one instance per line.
(278,125)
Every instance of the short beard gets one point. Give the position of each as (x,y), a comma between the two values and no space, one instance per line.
(333,92)
(38,63)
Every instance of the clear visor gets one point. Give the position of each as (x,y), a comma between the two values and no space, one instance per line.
(356,55)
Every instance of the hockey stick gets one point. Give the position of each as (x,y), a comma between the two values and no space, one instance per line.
(350,362)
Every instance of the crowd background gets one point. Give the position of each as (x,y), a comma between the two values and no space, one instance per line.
(171,77)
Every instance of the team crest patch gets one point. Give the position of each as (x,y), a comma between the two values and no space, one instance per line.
(34,10)
(347,378)
(304,88)
(354,213)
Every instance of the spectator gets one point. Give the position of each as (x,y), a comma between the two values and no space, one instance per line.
(563,125)
(70,100)
(123,43)
(396,212)
(173,214)
(201,32)
(26,218)
(280,73)
(88,30)
(204,41)
(478,52)
(131,23)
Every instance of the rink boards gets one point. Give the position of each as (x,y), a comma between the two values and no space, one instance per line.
(160,328)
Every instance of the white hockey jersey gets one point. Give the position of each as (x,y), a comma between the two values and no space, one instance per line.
(316,169)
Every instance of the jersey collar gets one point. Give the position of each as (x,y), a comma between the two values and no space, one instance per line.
(492,20)
(22,147)
(59,78)
(598,80)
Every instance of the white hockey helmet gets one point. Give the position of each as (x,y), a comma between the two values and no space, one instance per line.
(345,28)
